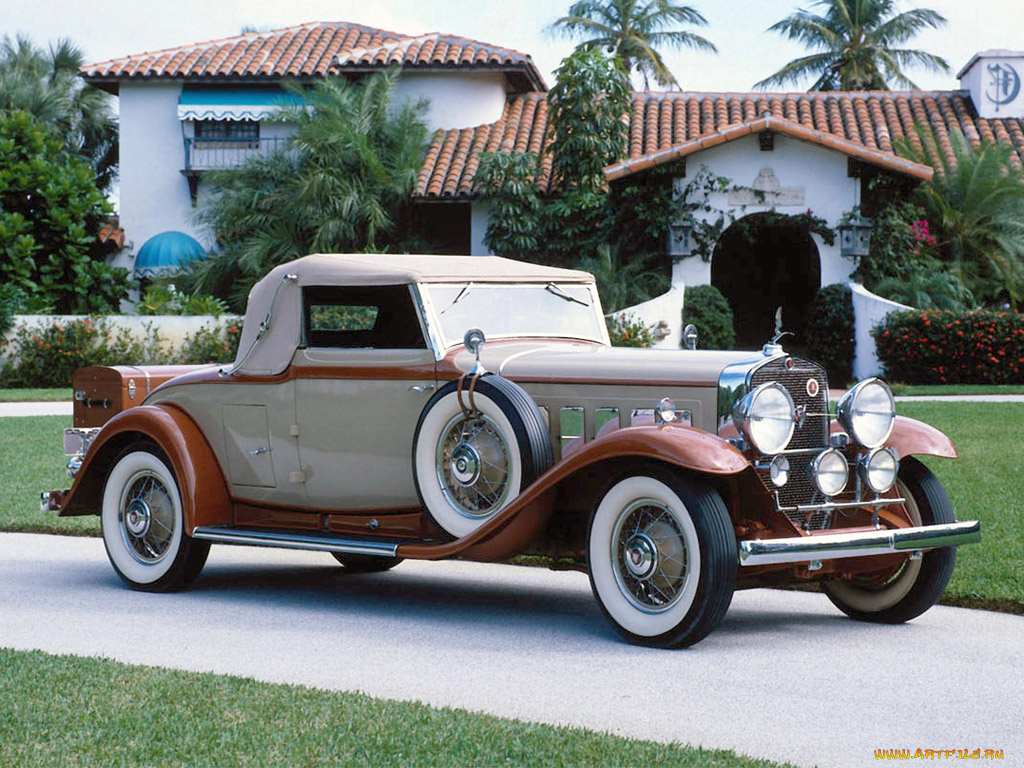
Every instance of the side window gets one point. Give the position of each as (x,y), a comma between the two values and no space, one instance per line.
(243,133)
(380,317)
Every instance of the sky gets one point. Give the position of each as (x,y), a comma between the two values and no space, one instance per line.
(747,53)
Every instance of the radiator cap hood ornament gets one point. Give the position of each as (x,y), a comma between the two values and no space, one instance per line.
(773,347)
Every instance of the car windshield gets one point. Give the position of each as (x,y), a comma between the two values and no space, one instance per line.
(503,310)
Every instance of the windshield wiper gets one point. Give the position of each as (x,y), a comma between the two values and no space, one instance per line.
(460,297)
(552,288)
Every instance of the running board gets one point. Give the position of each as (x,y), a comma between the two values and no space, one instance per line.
(318,542)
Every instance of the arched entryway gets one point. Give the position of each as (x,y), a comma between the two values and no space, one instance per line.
(764,261)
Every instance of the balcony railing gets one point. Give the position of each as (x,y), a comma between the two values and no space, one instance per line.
(207,154)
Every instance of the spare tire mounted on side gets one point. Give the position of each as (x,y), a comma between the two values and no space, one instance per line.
(472,455)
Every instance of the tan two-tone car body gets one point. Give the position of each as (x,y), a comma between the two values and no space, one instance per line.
(361,419)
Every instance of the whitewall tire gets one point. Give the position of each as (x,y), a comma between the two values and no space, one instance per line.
(914,587)
(470,466)
(143,524)
(661,553)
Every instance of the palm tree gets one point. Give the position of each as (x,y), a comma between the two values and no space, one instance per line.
(343,184)
(634,30)
(46,85)
(975,203)
(857,44)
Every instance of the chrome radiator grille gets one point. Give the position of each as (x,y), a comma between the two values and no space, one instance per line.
(813,434)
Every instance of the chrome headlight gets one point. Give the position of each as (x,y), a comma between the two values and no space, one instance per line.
(878,469)
(830,472)
(766,417)
(867,412)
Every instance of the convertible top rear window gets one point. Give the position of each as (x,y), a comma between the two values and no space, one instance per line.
(380,316)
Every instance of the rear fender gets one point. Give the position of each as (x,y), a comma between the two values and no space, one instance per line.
(510,530)
(204,494)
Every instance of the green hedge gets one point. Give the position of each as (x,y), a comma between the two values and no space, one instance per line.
(830,332)
(49,356)
(944,347)
(707,308)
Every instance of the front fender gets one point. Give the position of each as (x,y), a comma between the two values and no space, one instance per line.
(204,494)
(510,530)
(911,437)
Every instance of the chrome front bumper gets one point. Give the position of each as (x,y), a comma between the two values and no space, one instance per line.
(833,546)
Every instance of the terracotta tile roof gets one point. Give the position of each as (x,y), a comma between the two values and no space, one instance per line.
(727,133)
(308,50)
(868,121)
(111,233)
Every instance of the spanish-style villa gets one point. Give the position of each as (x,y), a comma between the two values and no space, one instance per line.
(209,105)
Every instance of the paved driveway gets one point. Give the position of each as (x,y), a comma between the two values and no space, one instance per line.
(785,676)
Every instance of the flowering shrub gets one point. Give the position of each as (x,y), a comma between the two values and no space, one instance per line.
(626,331)
(210,345)
(47,357)
(943,347)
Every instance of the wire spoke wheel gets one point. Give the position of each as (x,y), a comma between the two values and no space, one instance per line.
(650,554)
(146,517)
(473,465)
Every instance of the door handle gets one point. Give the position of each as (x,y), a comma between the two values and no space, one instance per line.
(421,387)
(258,451)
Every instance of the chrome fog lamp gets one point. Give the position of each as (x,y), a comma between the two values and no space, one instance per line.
(665,411)
(868,412)
(766,417)
(778,471)
(830,472)
(878,469)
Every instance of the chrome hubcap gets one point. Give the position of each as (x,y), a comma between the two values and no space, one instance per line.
(137,517)
(472,465)
(641,558)
(465,464)
(649,556)
(146,517)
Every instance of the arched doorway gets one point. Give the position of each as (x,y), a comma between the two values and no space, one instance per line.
(762,262)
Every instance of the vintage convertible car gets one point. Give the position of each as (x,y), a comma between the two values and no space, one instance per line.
(365,416)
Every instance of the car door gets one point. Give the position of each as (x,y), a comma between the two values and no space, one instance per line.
(363,375)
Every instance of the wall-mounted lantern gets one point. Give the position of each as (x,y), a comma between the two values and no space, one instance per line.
(680,239)
(855,235)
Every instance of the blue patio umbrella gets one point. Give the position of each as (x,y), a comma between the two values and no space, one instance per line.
(166,254)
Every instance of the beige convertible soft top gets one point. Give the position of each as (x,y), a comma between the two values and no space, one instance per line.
(274,351)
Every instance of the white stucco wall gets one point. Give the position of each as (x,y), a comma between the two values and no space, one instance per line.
(154,194)
(455,99)
(667,308)
(868,311)
(478,217)
(818,172)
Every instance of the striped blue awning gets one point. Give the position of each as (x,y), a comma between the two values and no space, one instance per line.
(233,103)
(166,254)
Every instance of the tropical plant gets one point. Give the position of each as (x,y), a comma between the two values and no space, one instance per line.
(928,289)
(344,183)
(585,126)
(857,46)
(829,331)
(45,83)
(708,309)
(50,214)
(976,203)
(623,284)
(635,30)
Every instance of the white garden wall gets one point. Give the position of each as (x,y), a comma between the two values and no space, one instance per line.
(668,309)
(868,311)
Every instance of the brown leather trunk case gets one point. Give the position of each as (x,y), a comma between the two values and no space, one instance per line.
(102,391)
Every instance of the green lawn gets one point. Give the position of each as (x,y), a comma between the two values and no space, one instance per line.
(901,390)
(64,710)
(986,483)
(28,395)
